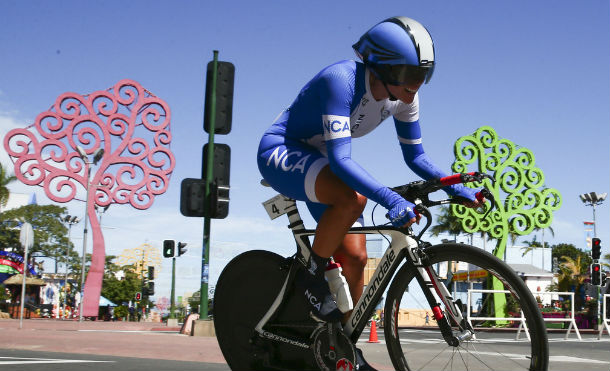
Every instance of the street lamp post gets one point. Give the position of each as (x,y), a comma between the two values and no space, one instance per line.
(101,211)
(592,199)
(70,221)
(96,157)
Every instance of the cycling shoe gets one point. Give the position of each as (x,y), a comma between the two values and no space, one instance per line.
(361,363)
(316,293)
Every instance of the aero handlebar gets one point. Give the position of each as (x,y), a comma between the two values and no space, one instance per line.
(418,192)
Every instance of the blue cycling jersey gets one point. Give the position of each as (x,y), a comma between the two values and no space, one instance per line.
(336,106)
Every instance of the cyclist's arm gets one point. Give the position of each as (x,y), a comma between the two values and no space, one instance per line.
(409,136)
(336,92)
(341,164)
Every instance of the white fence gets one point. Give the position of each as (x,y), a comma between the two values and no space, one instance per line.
(570,319)
(522,324)
(468,311)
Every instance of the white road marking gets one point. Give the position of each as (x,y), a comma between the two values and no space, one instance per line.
(28,361)
(514,356)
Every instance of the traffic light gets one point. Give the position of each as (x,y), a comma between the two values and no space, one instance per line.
(150,288)
(151,273)
(596,274)
(596,248)
(192,195)
(225,78)
(169,248)
(219,187)
(192,199)
(138,296)
(181,248)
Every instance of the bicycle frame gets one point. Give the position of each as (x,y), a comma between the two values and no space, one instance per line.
(403,248)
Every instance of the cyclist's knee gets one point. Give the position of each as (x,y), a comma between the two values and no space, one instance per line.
(360,259)
(361,202)
(351,202)
(331,190)
(353,258)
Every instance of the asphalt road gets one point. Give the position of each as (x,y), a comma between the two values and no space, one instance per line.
(70,345)
(566,355)
(25,360)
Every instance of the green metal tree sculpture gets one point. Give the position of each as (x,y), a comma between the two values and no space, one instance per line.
(523,204)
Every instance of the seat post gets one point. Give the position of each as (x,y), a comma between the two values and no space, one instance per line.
(280,205)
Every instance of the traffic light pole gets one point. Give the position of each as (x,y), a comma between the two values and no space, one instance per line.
(599,289)
(592,199)
(172,296)
(209,176)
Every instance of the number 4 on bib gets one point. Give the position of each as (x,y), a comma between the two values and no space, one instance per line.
(278,205)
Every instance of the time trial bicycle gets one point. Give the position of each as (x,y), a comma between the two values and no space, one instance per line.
(261,324)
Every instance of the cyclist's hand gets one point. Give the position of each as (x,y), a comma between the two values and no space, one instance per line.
(472,197)
(475,204)
(401,214)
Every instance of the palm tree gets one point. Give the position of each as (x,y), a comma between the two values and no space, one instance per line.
(530,245)
(534,243)
(447,222)
(5,179)
(542,229)
(571,277)
(606,263)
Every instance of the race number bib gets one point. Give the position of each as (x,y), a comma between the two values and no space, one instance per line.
(278,205)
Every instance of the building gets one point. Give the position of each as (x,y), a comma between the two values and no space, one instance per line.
(537,280)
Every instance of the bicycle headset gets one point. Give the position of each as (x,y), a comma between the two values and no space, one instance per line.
(397,50)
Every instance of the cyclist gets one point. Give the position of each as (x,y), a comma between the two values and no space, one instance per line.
(306,153)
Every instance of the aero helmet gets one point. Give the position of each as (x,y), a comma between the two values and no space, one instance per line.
(397,50)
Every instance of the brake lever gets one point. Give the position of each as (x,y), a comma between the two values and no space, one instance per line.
(480,196)
(486,193)
(423,210)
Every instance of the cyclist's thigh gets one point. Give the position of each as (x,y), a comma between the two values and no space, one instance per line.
(316,210)
(290,167)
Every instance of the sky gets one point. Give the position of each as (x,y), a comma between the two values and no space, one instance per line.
(535,71)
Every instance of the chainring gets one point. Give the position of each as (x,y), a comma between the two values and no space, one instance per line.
(328,358)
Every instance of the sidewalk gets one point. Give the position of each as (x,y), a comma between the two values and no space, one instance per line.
(122,339)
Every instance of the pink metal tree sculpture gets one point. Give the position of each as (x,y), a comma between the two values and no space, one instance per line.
(130,124)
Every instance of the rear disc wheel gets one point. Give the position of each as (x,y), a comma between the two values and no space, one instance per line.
(246,288)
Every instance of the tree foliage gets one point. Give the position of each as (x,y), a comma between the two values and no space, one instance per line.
(573,270)
(606,261)
(447,222)
(120,290)
(5,179)
(530,245)
(50,234)
(565,252)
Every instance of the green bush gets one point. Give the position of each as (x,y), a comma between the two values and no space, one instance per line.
(121,312)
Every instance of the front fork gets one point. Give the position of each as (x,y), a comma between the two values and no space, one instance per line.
(436,293)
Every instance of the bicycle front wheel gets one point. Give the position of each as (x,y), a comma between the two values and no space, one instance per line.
(509,332)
